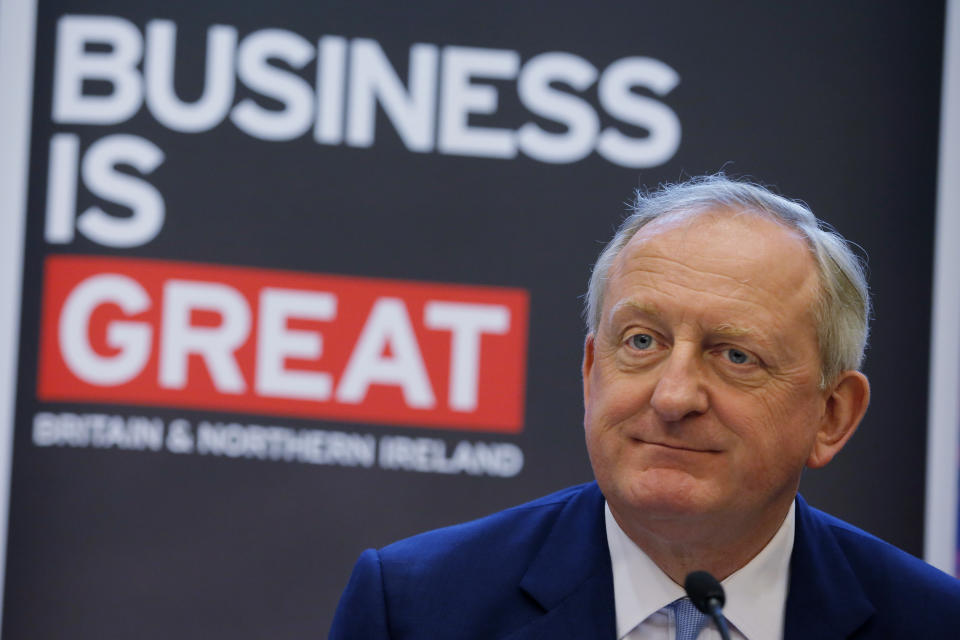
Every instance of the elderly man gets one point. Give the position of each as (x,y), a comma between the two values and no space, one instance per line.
(726,330)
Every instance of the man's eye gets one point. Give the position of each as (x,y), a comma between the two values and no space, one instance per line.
(737,357)
(641,341)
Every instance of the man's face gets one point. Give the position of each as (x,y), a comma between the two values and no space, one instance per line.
(701,382)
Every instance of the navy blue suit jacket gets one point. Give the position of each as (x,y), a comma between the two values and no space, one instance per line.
(542,570)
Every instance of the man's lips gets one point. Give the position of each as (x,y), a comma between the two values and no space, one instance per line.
(676,446)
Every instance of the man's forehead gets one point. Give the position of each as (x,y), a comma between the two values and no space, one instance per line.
(722,257)
(722,240)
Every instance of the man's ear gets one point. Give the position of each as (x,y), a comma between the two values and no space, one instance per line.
(845,405)
(587,365)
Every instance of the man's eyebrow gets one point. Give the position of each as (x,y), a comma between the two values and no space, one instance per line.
(728,330)
(630,308)
(634,307)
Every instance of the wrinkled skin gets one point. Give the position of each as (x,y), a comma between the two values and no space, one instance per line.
(701,388)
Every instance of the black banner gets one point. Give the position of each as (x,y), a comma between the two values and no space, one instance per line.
(301,279)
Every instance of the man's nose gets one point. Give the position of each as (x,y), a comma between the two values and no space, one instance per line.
(680,392)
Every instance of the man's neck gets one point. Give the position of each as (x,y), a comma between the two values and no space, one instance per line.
(718,545)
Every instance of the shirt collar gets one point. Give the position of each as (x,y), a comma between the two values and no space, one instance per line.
(756,594)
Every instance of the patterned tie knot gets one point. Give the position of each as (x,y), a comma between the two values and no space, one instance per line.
(689,619)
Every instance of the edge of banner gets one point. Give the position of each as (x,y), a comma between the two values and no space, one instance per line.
(943,415)
(17,41)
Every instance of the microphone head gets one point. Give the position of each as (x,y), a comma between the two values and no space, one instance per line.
(702,588)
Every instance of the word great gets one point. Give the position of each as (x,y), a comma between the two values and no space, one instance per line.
(161,333)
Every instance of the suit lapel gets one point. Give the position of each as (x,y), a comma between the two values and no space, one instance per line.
(571,579)
(825,598)
(571,576)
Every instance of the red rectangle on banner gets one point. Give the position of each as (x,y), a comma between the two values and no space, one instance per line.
(237,339)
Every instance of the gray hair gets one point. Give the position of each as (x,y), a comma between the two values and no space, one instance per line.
(842,310)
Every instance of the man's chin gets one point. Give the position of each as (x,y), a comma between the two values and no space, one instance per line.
(666,494)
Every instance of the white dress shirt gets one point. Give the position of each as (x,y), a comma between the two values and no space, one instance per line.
(756,594)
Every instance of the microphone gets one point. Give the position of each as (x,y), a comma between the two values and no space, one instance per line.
(706,594)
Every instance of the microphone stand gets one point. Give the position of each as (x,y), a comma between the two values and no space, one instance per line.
(715,611)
